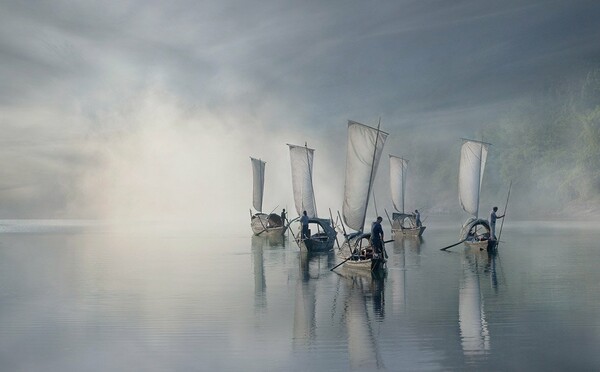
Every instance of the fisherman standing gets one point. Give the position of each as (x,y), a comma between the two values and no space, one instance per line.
(377,235)
(417,218)
(304,222)
(493,218)
(283,216)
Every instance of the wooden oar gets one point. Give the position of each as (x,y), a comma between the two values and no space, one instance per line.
(333,227)
(504,215)
(340,264)
(450,246)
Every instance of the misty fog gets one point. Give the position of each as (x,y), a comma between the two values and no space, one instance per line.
(151,111)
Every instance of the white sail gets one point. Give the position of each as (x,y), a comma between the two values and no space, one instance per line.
(365,145)
(398,168)
(258,172)
(302,185)
(473,155)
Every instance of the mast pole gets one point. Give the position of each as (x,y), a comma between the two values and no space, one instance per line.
(371,175)
(479,179)
(402,164)
(310,175)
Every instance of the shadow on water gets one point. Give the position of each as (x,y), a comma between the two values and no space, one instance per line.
(259,244)
(478,267)
(315,264)
(363,310)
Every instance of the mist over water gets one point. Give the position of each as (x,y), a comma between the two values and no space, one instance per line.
(121,297)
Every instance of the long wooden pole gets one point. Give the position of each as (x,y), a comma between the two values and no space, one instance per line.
(504,215)
(333,226)
(450,246)
(371,175)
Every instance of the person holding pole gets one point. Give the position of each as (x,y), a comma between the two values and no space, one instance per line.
(304,222)
(493,218)
(377,236)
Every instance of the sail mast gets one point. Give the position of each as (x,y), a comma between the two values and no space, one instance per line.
(398,168)
(364,148)
(472,165)
(371,175)
(258,173)
(301,158)
(403,182)
(310,171)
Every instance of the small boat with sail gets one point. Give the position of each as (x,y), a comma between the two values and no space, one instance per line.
(262,223)
(321,235)
(475,232)
(364,148)
(403,224)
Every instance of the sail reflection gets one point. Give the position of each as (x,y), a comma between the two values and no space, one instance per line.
(363,348)
(260,283)
(474,332)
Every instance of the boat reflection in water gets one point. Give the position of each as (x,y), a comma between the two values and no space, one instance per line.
(259,243)
(406,252)
(474,332)
(361,323)
(305,307)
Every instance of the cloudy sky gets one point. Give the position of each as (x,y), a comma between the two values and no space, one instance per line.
(129,109)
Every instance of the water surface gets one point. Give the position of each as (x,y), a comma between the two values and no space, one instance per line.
(77,295)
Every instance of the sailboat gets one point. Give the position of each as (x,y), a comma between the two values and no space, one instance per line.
(262,223)
(301,158)
(475,232)
(364,148)
(402,223)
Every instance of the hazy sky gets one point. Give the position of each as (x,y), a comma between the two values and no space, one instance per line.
(153,108)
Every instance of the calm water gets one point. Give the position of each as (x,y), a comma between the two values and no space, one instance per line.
(87,297)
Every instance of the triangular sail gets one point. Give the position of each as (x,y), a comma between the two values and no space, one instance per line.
(258,173)
(398,168)
(365,145)
(473,155)
(302,185)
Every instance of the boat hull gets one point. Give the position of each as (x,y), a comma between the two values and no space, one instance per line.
(364,261)
(315,244)
(409,231)
(261,226)
(481,245)
(322,241)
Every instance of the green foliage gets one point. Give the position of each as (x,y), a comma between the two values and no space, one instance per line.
(552,145)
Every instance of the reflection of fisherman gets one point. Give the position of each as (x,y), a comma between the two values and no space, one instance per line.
(493,218)
(417,218)
(377,235)
(304,222)
(283,216)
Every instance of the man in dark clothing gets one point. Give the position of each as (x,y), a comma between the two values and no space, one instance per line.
(304,222)
(493,219)
(377,235)
(283,216)
(417,218)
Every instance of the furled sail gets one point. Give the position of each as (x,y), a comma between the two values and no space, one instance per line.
(473,155)
(302,185)
(258,172)
(365,145)
(398,168)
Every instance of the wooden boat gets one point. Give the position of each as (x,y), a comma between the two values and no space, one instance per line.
(321,235)
(262,223)
(475,232)
(363,255)
(321,241)
(364,148)
(402,223)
